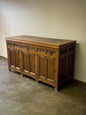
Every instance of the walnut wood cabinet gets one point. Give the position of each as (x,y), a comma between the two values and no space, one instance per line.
(47,60)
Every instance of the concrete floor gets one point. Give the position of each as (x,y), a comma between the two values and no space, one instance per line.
(23,96)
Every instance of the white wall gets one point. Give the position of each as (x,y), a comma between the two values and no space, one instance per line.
(64,19)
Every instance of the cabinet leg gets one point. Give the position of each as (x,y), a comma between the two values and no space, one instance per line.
(36,79)
(21,75)
(9,69)
(56,89)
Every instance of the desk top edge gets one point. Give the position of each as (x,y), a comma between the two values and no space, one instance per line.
(40,40)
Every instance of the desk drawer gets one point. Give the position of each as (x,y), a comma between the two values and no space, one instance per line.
(46,51)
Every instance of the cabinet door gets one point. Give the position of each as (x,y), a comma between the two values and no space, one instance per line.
(25,61)
(28,62)
(17,58)
(11,57)
(46,68)
(51,69)
(32,63)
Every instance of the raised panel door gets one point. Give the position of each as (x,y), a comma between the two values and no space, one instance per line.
(28,62)
(17,58)
(42,66)
(11,57)
(32,64)
(51,69)
(46,68)
(25,61)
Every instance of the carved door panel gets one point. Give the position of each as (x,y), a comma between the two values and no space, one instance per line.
(11,57)
(25,61)
(28,62)
(17,58)
(32,63)
(42,66)
(51,69)
(46,68)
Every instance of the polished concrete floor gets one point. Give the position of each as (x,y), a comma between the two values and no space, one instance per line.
(23,96)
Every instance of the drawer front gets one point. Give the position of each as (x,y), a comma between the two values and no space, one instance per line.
(13,44)
(31,48)
(46,51)
(24,46)
(28,47)
(10,44)
(16,45)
